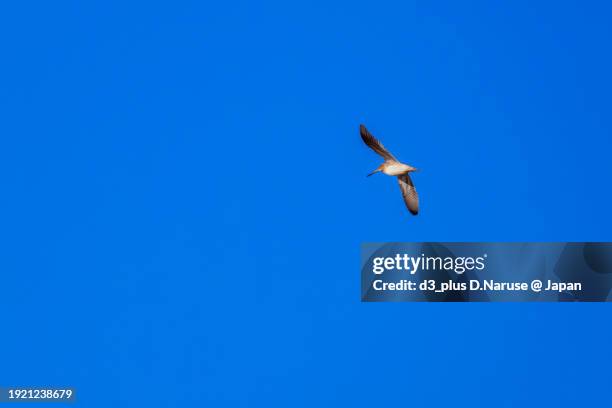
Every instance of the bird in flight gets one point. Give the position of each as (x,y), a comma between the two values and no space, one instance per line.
(393,167)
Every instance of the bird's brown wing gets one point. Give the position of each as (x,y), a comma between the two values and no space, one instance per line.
(409,193)
(374,144)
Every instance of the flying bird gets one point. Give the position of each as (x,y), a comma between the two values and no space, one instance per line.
(393,167)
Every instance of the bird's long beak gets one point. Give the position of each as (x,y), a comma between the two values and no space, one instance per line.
(374,172)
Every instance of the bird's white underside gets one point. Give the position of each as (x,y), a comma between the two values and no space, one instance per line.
(395,168)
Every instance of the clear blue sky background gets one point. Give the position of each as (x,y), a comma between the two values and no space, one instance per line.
(184,195)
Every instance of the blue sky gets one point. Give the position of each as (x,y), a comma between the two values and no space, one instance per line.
(184,196)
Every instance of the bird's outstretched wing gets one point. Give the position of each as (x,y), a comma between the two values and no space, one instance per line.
(374,144)
(409,193)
